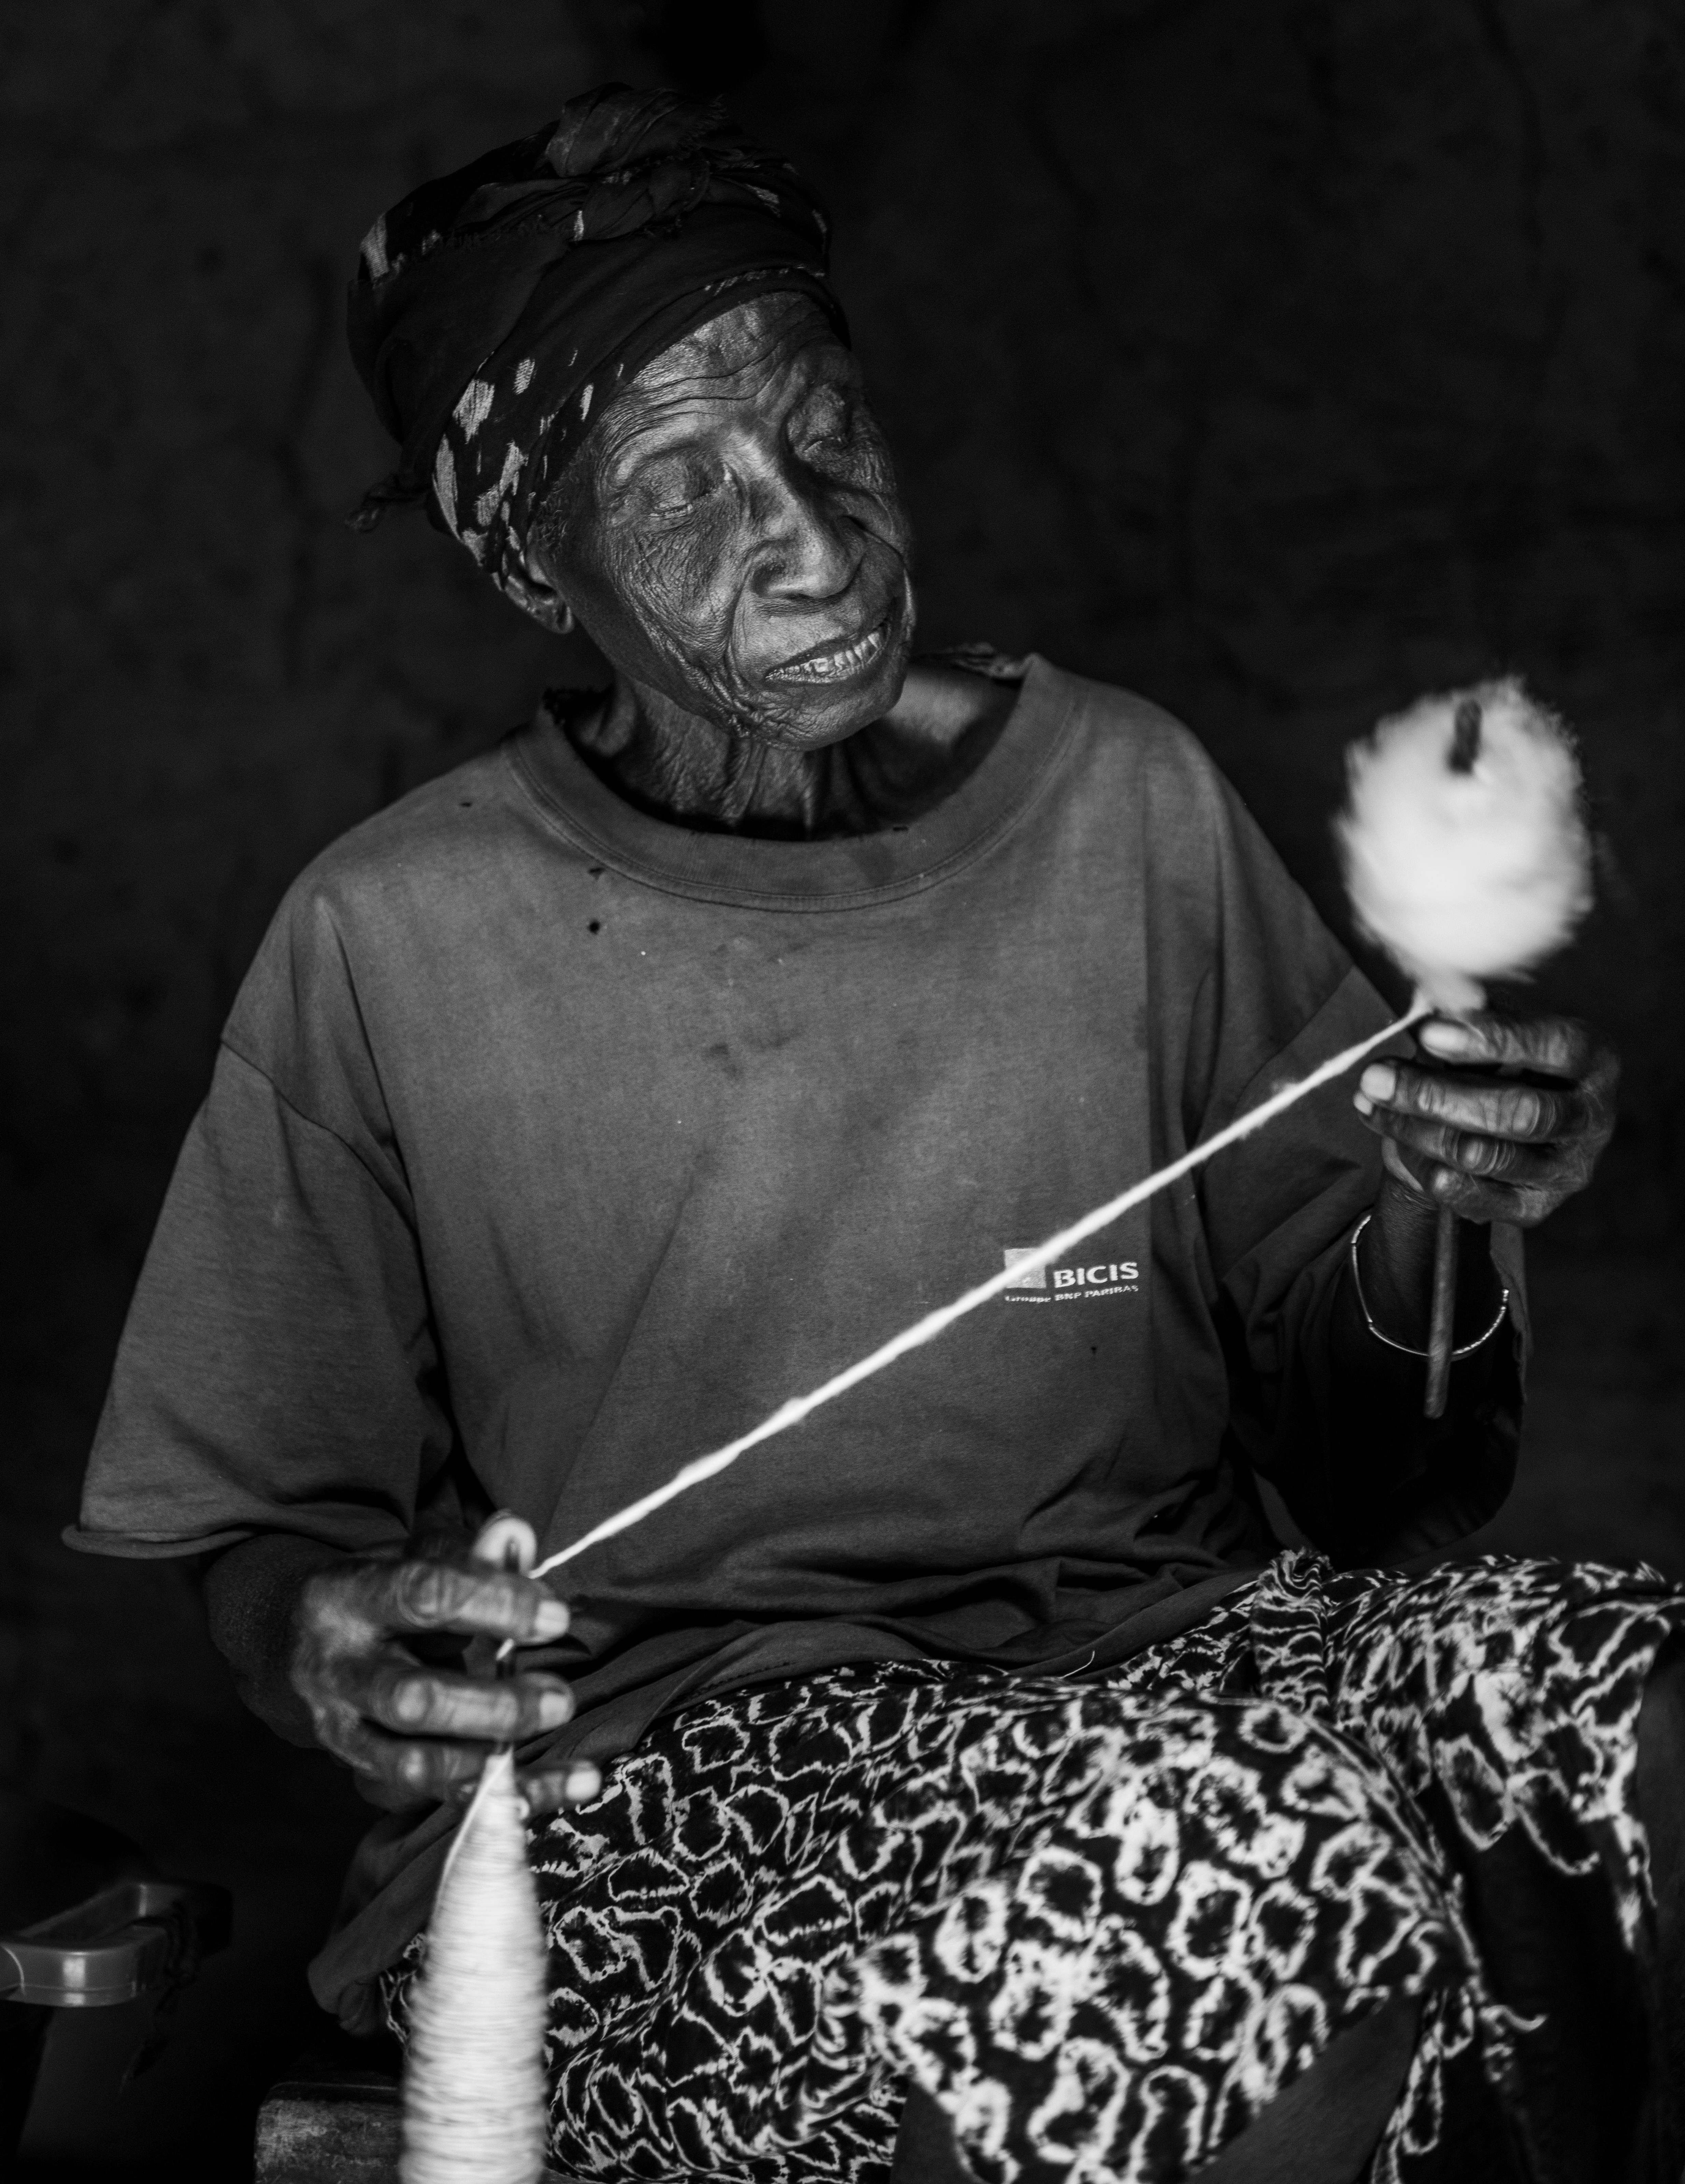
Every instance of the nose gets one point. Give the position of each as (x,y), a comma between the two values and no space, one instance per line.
(807,549)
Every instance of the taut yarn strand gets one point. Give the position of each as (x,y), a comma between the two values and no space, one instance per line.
(473,2104)
(937,1323)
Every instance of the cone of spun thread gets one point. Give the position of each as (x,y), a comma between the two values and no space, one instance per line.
(474,2108)
(1466,858)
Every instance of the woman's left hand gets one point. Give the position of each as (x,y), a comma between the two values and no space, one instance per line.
(1500,1120)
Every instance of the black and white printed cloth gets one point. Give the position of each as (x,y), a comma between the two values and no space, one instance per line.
(1102,1921)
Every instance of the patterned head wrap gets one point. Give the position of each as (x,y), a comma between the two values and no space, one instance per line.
(497,311)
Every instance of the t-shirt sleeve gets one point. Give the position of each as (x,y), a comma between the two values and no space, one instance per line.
(1276,995)
(278,1370)
(1279,1210)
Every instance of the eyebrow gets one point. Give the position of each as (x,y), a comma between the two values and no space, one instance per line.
(621,465)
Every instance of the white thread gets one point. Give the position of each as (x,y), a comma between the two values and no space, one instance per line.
(936,1322)
(474,2073)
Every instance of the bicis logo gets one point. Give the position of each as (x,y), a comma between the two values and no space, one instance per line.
(1064,1284)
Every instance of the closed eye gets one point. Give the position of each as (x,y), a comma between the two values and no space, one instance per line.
(824,426)
(668,485)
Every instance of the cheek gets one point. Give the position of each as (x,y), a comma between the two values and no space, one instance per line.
(871,484)
(683,584)
(886,523)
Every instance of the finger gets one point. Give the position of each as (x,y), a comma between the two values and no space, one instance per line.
(1460,1194)
(428,1770)
(1467,1152)
(442,1595)
(1483,1202)
(417,1702)
(396,1771)
(552,1789)
(1489,1105)
(1557,1046)
(1522,1205)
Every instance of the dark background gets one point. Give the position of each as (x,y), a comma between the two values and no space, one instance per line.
(1280,358)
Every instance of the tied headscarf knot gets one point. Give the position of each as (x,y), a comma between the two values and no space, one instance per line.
(497,311)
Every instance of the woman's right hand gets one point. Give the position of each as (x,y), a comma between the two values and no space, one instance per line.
(411,1732)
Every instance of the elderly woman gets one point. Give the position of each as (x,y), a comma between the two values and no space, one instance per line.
(968,1765)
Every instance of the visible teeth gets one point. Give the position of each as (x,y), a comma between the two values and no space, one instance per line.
(834,667)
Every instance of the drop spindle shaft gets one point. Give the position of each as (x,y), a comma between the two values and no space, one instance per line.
(1466,727)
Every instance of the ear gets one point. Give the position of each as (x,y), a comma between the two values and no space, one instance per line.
(528,583)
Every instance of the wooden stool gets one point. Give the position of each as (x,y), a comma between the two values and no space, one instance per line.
(331,2120)
(334,2120)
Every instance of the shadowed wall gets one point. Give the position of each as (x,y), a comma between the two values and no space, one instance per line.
(1282,362)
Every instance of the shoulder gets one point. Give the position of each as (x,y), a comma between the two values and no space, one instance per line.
(437,869)
(1229,926)
(414,892)
(443,832)
(1199,847)
(1121,728)
(1126,727)
(1145,770)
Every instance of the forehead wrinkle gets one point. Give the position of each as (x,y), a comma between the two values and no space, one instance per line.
(734,381)
(740,338)
(691,363)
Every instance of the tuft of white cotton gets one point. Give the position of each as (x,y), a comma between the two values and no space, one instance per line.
(1469,872)
(474,2070)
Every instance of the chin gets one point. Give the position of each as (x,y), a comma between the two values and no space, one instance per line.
(807,714)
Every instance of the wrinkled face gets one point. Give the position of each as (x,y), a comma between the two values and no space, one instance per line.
(731,532)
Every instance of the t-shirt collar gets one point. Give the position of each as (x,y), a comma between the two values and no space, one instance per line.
(838,873)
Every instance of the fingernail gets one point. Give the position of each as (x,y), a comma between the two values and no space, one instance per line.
(583,1784)
(1363,1103)
(551,1621)
(1448,1037)
(554,1707)
(1379,1080)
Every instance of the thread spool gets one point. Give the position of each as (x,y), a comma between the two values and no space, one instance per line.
(474,2092)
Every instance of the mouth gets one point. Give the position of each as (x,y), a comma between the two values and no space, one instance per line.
(838,661)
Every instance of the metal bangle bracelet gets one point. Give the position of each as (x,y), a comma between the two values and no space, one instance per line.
(1468,1348)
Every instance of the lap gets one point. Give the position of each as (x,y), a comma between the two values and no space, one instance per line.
(1075,1912)
(1086,1916)
(1504,1691)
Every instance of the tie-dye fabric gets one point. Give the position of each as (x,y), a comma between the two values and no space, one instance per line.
(1102,1922)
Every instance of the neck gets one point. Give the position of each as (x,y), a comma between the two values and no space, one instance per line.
(679,766)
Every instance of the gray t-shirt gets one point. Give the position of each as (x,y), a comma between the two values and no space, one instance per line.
(552,1144)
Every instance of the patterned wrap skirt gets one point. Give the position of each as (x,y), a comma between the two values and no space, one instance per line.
(1104,1921)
